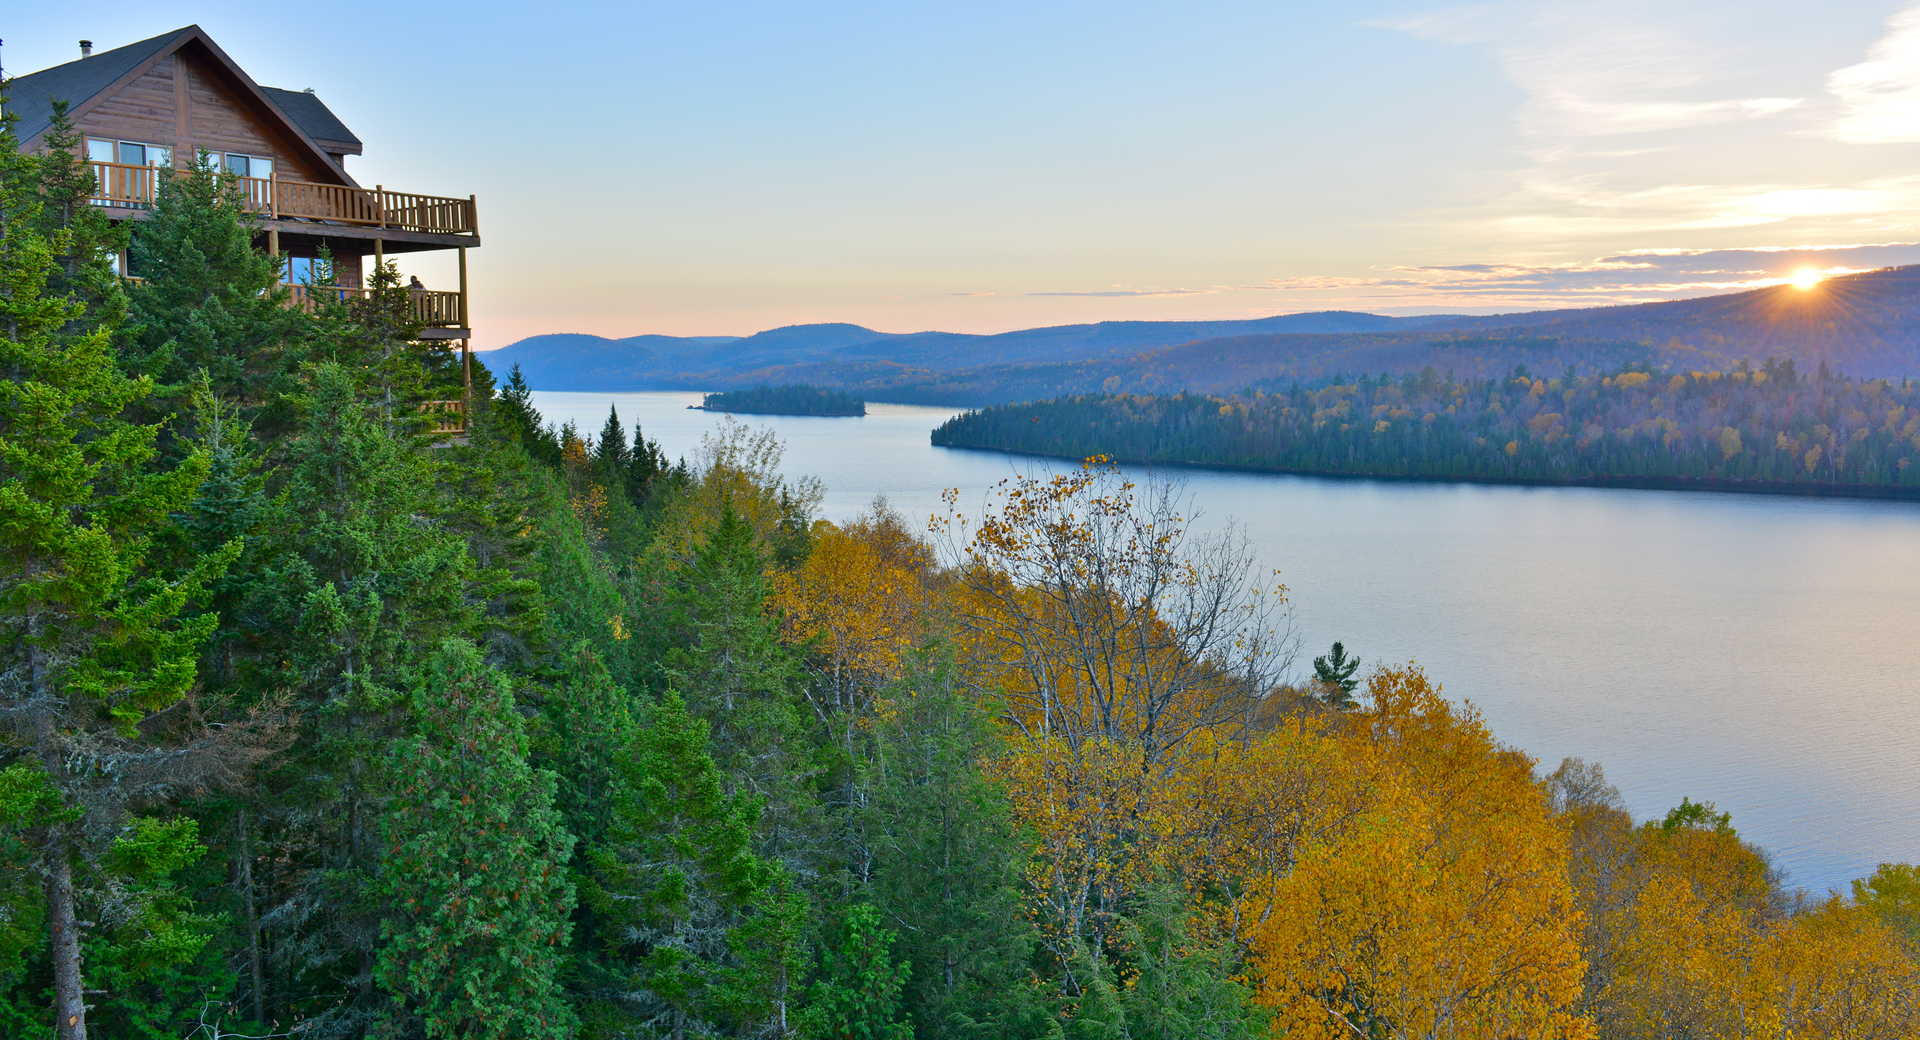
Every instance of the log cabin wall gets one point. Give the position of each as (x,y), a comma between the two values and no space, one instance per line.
(187,102)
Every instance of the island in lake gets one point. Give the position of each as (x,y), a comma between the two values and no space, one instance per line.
(785,400)
(1768,428)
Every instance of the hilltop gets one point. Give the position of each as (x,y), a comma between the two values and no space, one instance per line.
(1864,325)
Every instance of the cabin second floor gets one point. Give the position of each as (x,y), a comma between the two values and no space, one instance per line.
(148,108)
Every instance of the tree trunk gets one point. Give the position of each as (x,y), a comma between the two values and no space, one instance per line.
(256,973)
(69,999)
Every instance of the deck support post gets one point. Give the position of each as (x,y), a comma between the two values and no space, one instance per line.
(273,211)
(465,319)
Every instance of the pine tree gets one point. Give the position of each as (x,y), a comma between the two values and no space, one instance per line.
(97,638)
(474,877)
(1335,673)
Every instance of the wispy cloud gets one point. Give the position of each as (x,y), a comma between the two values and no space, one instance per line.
(1637,276)
(1596,70)
(1126,292)
(1880,97)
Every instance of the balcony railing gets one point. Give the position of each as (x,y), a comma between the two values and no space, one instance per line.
(448,417)
(278,198)
(430,308)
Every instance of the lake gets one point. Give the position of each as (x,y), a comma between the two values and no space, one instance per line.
(1756,651)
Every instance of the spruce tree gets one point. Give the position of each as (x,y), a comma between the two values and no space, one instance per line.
(610,452)
(207,300)
(728,662)
(474,876)
(678,876)
(97,638)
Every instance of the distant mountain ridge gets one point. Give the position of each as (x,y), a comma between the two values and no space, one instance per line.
(1863,325)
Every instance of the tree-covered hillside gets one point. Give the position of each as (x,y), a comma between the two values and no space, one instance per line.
(1863,326)
(785,400)
(318,723)
(1771,428)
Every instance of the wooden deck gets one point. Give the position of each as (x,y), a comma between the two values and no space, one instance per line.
(431,308)
(279,198)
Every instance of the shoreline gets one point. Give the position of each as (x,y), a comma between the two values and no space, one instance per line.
(1769,488)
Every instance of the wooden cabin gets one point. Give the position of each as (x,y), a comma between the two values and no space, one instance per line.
(146,106)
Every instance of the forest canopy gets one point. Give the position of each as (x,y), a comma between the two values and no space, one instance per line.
(1770,428)
(322,721)
(785,400)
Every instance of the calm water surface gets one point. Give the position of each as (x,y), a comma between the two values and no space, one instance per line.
(1756,651)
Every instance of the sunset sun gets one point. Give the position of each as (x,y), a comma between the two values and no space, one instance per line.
(1804,278)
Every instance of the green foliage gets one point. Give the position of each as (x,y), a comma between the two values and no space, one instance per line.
(947,863)
(858,993)
(1703,816)
(675,878)
(1892,892)
(1335,673)
(208,301)
(474,877)
(1178,989)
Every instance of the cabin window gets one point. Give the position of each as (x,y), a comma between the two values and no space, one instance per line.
(248,165)
(128,153)
(304,270)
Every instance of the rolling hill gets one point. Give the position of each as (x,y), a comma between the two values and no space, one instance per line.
(1863,325)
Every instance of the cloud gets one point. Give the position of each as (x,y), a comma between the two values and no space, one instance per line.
(1592,70)
(1880,97)
(1126,292)
(1636,276)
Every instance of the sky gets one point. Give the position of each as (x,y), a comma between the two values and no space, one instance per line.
(723,168)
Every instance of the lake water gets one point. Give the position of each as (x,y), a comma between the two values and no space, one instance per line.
(1761,652)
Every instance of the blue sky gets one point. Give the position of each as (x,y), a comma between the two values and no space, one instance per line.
(724,168)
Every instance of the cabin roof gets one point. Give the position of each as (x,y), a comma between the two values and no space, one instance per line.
(312,115)
(31,97)
(83,81)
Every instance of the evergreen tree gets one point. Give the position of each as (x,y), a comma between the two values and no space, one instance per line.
(1335,673)
(84,273)
(474,877)
(728,662)
(97,639)
(610,451)
(947,863)
(647,469)
(1178,990)
(521,421)
(208,300)
(678,876)
(858,993)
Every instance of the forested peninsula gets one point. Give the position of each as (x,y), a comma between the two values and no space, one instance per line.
(785,400)
(321,720)
(1769,428)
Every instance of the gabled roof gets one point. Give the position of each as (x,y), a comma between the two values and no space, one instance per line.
(312,115)
(83,83)
(31,97)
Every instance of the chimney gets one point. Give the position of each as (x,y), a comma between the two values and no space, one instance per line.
(86,48)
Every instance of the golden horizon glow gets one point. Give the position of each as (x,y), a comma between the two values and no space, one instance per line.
(1804,278)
